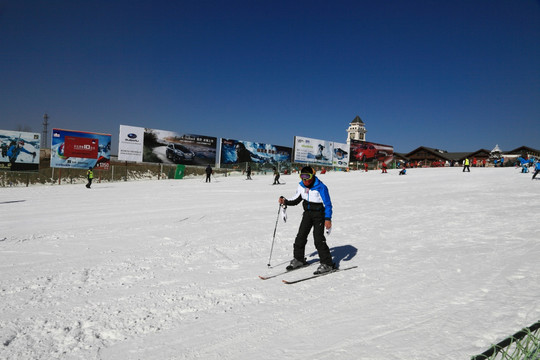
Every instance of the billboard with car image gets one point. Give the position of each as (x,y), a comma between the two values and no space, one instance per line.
(363,151)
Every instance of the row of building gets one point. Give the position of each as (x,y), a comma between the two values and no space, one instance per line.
(428,156)
(432,157)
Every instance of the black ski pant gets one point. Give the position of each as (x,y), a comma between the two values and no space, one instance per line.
(536,173)
(89,183)
(315,220)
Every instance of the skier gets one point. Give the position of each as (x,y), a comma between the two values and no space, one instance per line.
(403,171)
(209,172)
(536,169)
(384,167)
(248,172)
(317,215)
(90,176)
(466,165)
(276,176)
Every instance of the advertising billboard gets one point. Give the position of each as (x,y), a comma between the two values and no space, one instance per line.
(364,151)
(19,150)
(267,155)
(312,151)
(80,150)
(168,147)
(130,143)
(340,155)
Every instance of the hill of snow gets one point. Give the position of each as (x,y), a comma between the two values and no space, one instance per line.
(447,265)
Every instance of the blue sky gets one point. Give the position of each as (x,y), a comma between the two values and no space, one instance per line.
(456,75)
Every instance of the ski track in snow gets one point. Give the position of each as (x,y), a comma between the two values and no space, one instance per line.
(447,265)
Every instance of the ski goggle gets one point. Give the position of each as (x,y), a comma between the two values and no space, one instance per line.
(306,176)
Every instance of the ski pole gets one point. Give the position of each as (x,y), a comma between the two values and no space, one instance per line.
(274,237)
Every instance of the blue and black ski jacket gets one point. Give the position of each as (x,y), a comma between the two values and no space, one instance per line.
(316,198)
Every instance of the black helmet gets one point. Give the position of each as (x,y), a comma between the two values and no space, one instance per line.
(307,170)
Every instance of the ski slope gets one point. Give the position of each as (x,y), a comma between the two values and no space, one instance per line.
(447,265)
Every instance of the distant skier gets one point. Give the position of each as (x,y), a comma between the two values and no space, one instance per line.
(276,176)
(209,172)
(536,169)
(384,167)
(317,215)
(90,176)
(248,172)
(403,171)
(466,165)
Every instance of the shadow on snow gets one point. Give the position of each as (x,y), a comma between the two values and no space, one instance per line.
(339,254)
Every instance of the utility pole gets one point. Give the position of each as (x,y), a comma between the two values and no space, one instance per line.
(45,131)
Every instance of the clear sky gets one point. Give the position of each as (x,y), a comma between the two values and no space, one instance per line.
(456,75)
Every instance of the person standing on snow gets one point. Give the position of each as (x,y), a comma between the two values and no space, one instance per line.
(276,176)
(317,215)
(384,167)
(536,169)
(90,176)
(209,172)
(466,165)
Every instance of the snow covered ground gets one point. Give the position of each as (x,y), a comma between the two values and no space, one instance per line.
(447,265)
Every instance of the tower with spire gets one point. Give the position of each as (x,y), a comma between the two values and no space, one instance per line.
(356,130)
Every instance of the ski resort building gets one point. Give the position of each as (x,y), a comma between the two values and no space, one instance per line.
(357,130)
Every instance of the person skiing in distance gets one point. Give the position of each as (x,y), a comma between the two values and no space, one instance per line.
(90,176)
(466,165)
(384,167)
(209,172)
(317,215)
(536,169)
(276,176)
(248,172)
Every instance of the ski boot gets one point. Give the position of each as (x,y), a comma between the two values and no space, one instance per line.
(324,268)
(295,264)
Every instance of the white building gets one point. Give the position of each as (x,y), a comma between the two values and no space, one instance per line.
(356,130)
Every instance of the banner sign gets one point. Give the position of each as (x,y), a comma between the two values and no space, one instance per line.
(19,150)
(80,150)
(130,143)
(312,151)
(364,151)
(237,151)
(162,146)
(340,155)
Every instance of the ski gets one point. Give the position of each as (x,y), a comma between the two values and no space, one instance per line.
(282,273)
(317,275)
